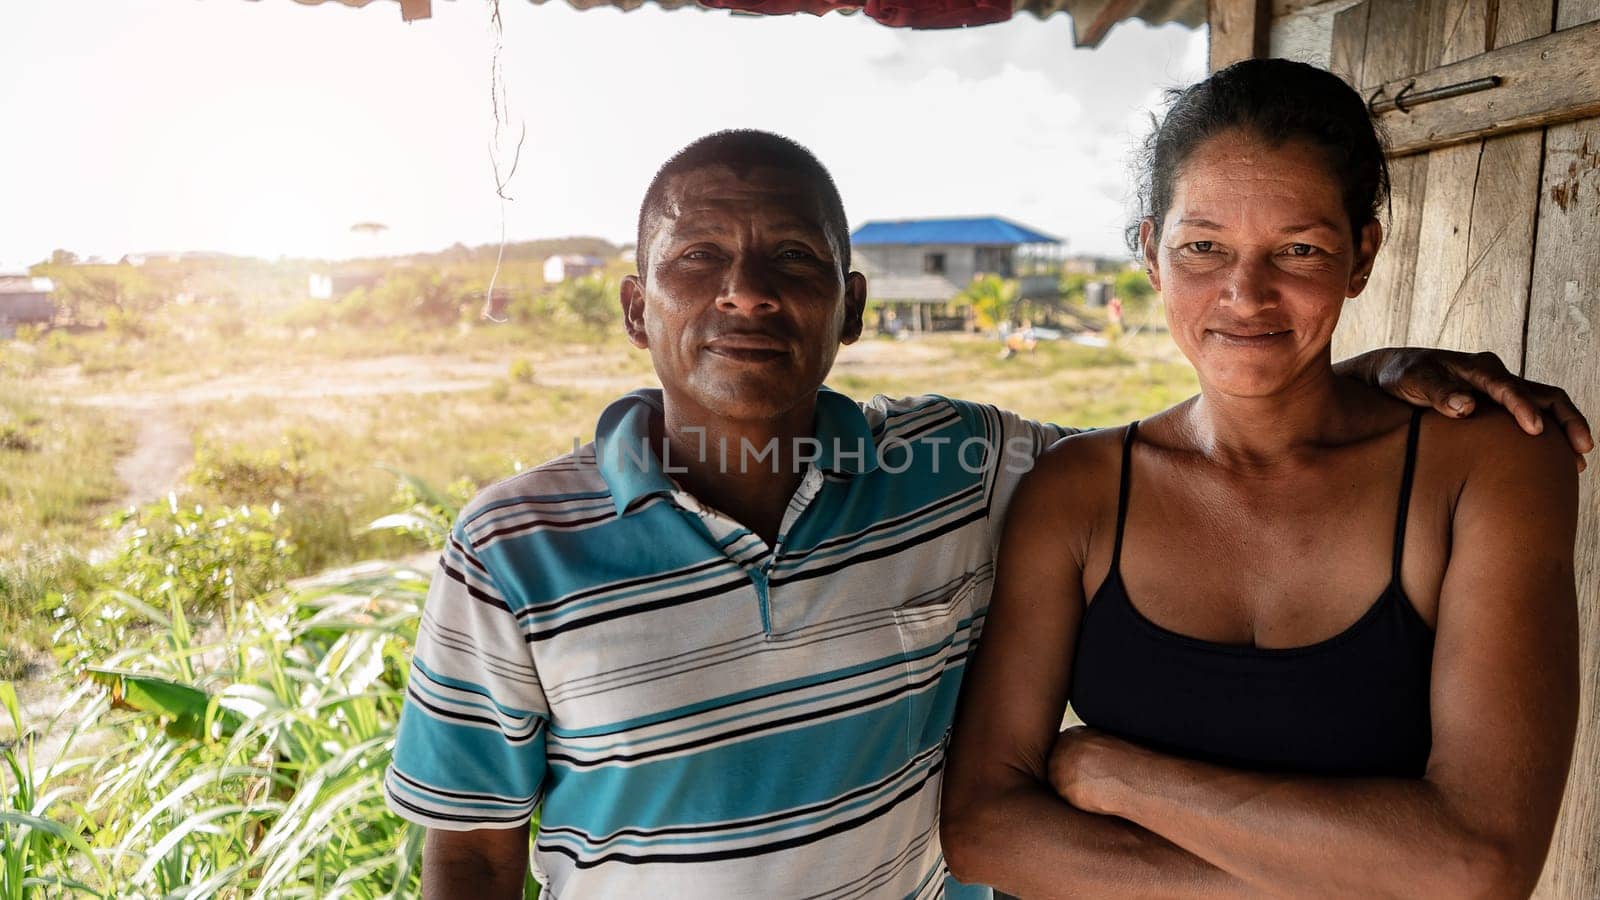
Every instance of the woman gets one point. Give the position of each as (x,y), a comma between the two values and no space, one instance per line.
(1201,585)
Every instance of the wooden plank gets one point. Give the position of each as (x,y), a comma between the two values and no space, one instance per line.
(1285,8)
(1458,29)
(1395,41)
(1238,30)
(1545,80)
(1349,50)
(1474,266)
(1564,348)
(1094,31)
(1479,207)
(1571,13)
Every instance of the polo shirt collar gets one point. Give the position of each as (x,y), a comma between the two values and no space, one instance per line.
(840,425)
(631,465)
(628,463)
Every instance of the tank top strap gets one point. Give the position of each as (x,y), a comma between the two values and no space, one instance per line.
(1122,494)
(1406,480)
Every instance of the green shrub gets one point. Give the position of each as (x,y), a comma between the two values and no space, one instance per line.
(591,302)
(15,438)
(521,370)
(247,763)
(237,475)
(200,559)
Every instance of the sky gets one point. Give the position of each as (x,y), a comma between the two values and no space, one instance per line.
(269,128)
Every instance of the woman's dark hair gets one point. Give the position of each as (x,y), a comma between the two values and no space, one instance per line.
(1276,100)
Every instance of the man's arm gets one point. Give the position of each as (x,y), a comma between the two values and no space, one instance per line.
(1447,379)
(468,760)
(485,864)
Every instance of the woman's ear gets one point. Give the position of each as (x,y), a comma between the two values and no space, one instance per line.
(1149,248)
(1367,244)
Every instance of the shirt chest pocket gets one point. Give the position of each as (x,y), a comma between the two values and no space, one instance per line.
(936,634)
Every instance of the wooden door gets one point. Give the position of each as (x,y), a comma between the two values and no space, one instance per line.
(1494,244)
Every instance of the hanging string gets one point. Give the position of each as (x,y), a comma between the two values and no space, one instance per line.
(502,113)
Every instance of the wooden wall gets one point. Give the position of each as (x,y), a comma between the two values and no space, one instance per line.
(1495,244)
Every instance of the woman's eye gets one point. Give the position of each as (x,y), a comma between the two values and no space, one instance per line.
(1301,249)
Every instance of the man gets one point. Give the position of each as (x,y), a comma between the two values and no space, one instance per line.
(718,650)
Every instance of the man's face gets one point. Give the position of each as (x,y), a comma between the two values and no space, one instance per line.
(742,304)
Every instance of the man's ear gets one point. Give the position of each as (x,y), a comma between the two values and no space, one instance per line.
(1367,244)
(855,304)
(1150,250)
(633,311)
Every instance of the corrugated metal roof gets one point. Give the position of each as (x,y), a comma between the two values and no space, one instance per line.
(1091,19)
(983,230)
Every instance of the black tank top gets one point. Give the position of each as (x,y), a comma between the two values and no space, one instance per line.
(1354,704)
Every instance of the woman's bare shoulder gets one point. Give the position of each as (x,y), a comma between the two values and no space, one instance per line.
(1496,466)
(1083,458)
(1490,440)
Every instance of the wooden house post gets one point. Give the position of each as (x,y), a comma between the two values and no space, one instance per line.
(1239,30)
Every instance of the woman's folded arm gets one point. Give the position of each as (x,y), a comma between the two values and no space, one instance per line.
(1001,822)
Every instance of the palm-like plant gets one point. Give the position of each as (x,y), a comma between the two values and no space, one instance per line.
(991,298)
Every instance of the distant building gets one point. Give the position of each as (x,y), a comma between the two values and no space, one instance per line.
(333,285)
(917,267)
(25,301)
(169,256)
(569,266)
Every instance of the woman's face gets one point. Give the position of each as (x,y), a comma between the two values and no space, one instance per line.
(1254,261)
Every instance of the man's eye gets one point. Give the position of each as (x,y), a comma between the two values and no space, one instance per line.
(793,253)
(698,254)
(1301,250)
(1200,246)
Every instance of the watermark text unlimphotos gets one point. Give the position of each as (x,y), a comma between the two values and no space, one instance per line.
(973,455)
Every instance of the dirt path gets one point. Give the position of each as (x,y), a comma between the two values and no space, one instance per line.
(163,448)
(161,453)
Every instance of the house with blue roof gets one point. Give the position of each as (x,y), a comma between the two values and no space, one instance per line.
(916,267)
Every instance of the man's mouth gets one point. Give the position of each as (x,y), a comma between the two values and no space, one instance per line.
(748,347)
(1251,337)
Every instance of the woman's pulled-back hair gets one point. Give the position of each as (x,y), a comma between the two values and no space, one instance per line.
(1276,100)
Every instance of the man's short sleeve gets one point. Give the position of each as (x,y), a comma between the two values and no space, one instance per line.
(1015,443)
(470,749)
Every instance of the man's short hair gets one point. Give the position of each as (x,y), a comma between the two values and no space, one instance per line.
(744,149)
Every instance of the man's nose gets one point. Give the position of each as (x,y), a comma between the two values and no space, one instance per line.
(1251,286)
(748,288)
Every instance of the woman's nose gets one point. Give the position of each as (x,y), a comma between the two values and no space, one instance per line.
(1250,287)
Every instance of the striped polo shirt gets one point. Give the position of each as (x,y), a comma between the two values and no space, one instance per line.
(689,711)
